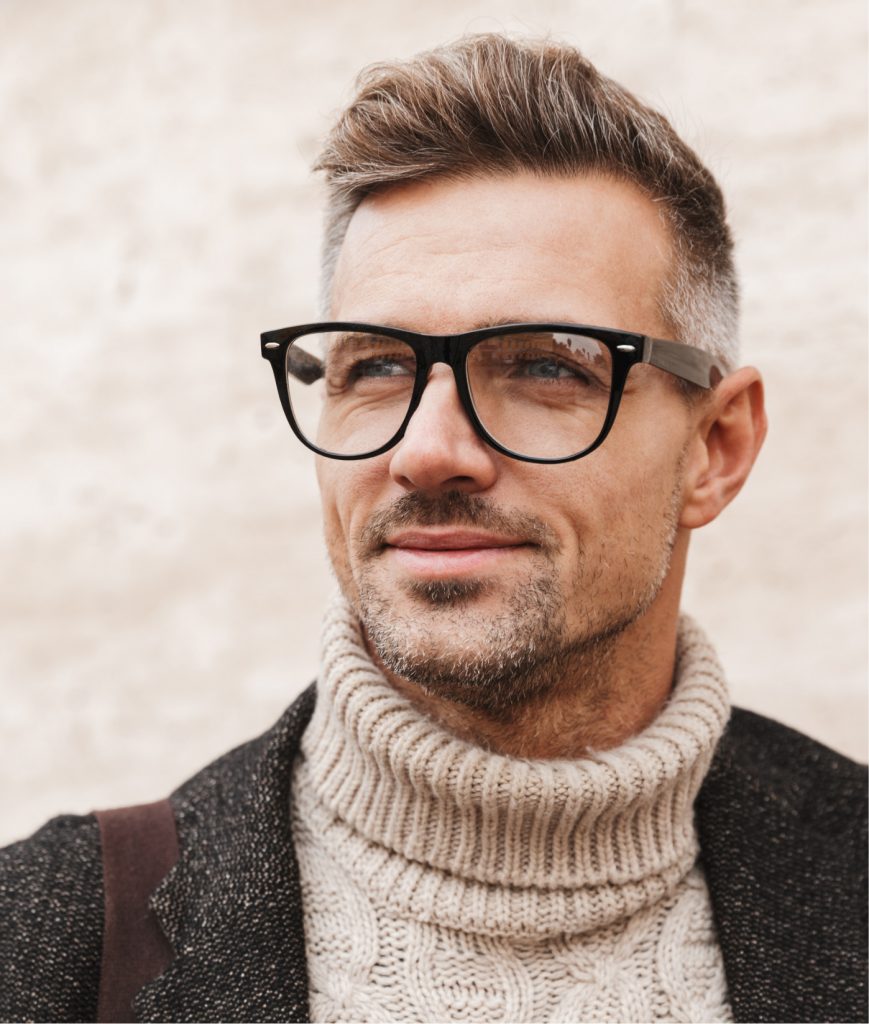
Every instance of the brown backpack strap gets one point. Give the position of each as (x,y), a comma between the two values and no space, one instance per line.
(139,846)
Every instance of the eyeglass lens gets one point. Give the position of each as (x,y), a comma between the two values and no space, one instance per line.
(541,394)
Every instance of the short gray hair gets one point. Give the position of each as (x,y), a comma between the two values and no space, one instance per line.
(491,104)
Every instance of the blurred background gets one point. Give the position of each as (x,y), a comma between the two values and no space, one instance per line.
(163,572)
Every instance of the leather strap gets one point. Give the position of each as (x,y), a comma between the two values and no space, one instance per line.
(140,846)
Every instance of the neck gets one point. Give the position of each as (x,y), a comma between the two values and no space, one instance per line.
(606,692)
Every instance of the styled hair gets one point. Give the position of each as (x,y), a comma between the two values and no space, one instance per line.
(489,105)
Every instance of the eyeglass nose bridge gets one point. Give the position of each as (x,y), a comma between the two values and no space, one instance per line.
(452,350)
(440,348)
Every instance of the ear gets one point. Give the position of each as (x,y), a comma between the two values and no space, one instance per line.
(730,429)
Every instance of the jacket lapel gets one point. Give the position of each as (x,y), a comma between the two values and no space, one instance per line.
(231,907)
(783,855)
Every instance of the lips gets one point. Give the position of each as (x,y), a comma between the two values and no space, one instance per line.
(447,553)
(450,540)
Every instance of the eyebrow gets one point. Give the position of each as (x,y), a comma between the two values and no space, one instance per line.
(522,318)
(503,321)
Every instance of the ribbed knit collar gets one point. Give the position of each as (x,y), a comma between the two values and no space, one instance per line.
(443,830)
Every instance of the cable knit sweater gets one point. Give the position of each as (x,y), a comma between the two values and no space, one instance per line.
(442,882)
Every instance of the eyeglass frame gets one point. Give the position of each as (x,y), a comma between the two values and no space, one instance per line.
(627,349)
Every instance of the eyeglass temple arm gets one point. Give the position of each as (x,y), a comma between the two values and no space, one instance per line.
(304,366)
(685,361)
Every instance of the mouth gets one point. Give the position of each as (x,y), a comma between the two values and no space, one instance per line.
(448,552)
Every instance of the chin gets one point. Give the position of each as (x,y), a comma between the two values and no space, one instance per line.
(447,593)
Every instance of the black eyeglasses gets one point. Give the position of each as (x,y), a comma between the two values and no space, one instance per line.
(535,392)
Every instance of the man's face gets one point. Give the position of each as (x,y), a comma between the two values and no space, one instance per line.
(466,566)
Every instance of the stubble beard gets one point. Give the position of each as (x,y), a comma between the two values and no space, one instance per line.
(441,636)
(490,661)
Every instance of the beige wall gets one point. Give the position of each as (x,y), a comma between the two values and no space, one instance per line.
(163,571)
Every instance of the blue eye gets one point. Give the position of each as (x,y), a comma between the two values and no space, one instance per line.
(380,368)
(548,369)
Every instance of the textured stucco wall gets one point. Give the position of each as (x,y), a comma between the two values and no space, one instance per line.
(163,571)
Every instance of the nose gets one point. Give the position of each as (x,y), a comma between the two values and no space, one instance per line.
(440,450)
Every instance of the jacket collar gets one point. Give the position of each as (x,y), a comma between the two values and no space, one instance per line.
(231,907)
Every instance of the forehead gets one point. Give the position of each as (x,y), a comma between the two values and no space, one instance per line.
(447,255)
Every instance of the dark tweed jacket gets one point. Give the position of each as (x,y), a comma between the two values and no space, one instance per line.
(782,824)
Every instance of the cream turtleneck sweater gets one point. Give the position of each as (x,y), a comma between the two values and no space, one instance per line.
(442,882)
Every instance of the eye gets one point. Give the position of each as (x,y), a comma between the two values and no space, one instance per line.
(381,367)
(548,369)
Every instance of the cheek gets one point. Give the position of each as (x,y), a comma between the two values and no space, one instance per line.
(334,530)
(613,504)
(346,494)
(326,483)
(648,511)
(645,455)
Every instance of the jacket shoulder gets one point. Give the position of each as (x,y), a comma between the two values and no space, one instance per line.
(51,922)
(825,790)
(782,826)
(223,787)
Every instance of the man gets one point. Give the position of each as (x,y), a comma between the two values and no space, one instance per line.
(518,791)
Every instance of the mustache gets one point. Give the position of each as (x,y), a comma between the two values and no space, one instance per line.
(454,508)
